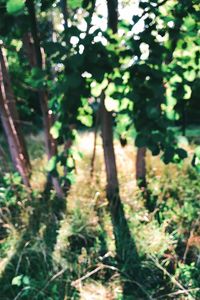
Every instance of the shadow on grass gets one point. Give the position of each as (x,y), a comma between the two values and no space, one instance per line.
(31,263)
(39,279)
(85,248)
(140,278)
(126,253)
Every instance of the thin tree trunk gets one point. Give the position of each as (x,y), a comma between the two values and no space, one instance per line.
(50,143)
(12,107)
(64,10)
(106,122)
(65,13)
(184,123)
(17,152)
(141,152)
(112,6)
(106,118)
(28,46)
(95,142)
(125,247)
(141,167)
(126,252)
(3,159)
(108,147)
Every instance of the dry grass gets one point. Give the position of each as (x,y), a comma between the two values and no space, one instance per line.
(38,160)
(96,291)
(88,195)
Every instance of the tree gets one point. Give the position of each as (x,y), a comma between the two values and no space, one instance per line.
(107,121)
(140,167)
(11,124)
(51,147)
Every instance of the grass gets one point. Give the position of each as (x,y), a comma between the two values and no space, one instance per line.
(73,257)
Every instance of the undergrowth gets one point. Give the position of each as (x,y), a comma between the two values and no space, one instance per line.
(52,256)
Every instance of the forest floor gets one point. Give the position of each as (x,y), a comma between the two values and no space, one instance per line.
(51,256)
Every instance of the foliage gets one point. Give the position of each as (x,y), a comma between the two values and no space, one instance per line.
(14,6)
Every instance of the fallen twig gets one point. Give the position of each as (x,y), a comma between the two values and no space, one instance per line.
(172,278)
(179,292)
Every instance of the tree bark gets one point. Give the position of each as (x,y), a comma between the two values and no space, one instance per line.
(108,147)
(11,127)
(29,50)
(95,143)
(12,107)
(64,10)
(112,6)
(106,118)
(126,251)
(141,167)
(50,143)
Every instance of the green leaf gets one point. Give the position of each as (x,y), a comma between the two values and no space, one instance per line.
(96,88)
(55,129)
(15,6)
(157,137)
(70,177)
(188,92)
(51,166)
(17,280)
(181,153)
(140,141)
(73,4)
(85,3)
(168,155)
(154,149)
(26,280)
(197,151)
(111,104)
(70,163)
(86,120)
(190,75)
(190,23)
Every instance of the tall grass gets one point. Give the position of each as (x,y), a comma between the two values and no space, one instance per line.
(73,255)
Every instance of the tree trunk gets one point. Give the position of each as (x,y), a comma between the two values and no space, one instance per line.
(3,159)
(11,127)
(141,167)
(184,123)
(126,252)
(106,118)
(50,143)
(12,106)
(108,147)
(112,6)
(29,50)
(95,142)
(125,247)
(64,10)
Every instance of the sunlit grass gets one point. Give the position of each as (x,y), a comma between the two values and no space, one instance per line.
(87,223)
